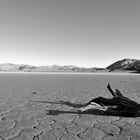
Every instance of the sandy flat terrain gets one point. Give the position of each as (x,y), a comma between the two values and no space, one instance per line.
(44,107)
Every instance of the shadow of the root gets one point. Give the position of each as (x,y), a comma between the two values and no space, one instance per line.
(74,105)
(123,113)
(94,112)
(90,112)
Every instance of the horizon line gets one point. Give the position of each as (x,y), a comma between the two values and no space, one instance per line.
(61,65)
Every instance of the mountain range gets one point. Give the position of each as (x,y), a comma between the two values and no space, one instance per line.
(121,65)
(54,68)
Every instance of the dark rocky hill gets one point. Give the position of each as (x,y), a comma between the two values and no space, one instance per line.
(125,64)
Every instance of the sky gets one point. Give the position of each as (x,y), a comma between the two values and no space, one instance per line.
(89,33)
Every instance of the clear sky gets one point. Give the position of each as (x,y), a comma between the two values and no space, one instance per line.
(69,32)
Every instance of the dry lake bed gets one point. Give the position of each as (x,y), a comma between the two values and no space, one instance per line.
(43,106)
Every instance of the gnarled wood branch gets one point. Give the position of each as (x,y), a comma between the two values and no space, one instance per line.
(118,104)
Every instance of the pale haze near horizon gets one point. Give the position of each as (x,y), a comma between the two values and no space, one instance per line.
(90,33)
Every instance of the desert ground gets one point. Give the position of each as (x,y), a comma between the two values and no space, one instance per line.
(44,106)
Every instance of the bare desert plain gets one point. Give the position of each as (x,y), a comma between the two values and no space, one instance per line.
(44,106)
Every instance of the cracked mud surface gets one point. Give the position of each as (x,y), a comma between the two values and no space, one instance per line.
(51,113)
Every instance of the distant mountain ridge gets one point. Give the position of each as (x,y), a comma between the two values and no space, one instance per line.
(15,67)
(9,67)
(121,65)
(125,64)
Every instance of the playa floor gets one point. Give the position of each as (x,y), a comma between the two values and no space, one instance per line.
(47,108)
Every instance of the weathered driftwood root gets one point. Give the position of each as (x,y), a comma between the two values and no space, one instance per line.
(117,105)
